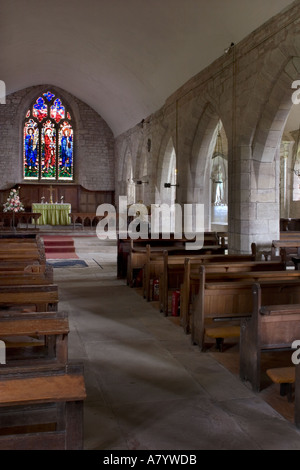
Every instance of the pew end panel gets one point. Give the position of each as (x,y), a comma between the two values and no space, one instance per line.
(273,326)
(228,302)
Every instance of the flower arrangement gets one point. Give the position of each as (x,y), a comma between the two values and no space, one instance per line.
(13,203)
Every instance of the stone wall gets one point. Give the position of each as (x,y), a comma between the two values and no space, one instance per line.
(249,90)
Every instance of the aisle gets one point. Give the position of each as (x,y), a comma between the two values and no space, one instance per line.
(147,386)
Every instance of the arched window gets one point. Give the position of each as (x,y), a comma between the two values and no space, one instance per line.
(48,139)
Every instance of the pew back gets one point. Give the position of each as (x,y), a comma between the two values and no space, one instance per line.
(232,300)
(37,297)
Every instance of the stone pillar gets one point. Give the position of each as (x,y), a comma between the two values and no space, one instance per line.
(253,202)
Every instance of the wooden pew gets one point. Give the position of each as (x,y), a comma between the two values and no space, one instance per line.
(286,249)
(40,298)
(157,261)
(42,408)
(290,225)
(284,236)
(140,255)
(27,249)
(82,217)
(41,399)
(191,278)
(171,269)
(273,326)
(132,253)
(35,338)
(19,238)
(11,220)
(31,274)
(231,300)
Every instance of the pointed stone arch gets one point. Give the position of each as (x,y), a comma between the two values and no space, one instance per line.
(201,160)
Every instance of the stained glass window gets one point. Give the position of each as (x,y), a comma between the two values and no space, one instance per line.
(48,150)
(57,111)
(31,150)
(39,109)
(65,151)
(48,140)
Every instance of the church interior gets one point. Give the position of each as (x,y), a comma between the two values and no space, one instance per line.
(130,131)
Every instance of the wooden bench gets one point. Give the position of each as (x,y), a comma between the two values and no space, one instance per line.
(82,217)
(42,408)
(12,220)
(40,298)
(289,225)
(289,236)
(127,247)
(176,272)
(140,255)
(157,266)
(30,256)
(168,267)
(216,271)
(35,338)
(30,250)
(30,274)
(21,237)
(285,249)
(231,300)
(273,326)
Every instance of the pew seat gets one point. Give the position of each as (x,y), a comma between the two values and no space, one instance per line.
(285,377)
(222,332)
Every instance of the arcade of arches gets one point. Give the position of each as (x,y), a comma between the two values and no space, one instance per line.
(228,139)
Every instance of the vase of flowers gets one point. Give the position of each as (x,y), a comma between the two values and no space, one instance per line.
(13,203)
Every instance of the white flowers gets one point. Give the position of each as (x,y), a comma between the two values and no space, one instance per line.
(13,203)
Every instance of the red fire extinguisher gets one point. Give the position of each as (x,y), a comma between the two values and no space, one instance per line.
(155,289)
(176,303)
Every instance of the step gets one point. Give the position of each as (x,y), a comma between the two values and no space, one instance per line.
(59,249)
(59,243)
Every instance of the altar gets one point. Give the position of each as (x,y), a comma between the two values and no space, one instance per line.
(52,214)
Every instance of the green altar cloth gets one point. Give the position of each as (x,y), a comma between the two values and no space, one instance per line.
(53,214)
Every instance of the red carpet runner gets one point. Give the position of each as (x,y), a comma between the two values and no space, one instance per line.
(59,247)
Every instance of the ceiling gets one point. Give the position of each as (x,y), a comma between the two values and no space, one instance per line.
(121,57)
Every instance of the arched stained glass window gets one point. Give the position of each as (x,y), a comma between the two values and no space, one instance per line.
(48,138)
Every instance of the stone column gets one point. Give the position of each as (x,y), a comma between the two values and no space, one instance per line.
(253,202)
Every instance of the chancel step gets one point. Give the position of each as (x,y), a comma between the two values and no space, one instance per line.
(59,245)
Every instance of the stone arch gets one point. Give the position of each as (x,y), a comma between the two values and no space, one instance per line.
(143,171)
(162,164)
(255,188)
(128,176)
(167,173)
(271,124)
(201,160)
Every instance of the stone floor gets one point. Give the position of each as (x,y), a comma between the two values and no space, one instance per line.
(148,387)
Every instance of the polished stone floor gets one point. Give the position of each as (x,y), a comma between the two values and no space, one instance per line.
(148,387)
